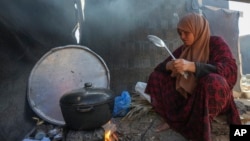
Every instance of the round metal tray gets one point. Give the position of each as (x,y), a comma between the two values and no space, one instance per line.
(61,70)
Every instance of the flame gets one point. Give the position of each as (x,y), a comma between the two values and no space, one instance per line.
(107,135)
(110,129)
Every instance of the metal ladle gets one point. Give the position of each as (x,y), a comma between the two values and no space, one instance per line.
(159,43)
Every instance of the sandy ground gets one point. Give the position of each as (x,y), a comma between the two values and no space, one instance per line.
(142,129)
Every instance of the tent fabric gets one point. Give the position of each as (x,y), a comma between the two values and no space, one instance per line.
(28,29)
(230,32)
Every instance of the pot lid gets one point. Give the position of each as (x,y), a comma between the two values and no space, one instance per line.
(87,96)
(59,71)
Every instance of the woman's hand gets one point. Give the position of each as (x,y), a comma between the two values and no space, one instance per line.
(180,66)
(170,66)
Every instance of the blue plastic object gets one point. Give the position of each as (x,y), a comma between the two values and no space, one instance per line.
(122,104)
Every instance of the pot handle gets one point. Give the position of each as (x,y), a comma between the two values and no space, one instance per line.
(84,109)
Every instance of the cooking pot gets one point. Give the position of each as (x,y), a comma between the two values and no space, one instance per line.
(87,108)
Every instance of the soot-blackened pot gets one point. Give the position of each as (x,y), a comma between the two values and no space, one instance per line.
(87,108)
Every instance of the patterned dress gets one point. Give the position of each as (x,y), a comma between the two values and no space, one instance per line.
(192,116)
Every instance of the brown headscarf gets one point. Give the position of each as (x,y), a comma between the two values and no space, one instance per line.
(197,52)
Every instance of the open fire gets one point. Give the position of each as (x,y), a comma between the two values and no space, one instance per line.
(111,136)
(110,129)
(107,135)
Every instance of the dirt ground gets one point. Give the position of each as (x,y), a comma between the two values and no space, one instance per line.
(142,129)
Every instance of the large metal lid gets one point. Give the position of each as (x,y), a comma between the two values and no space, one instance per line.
(59,71)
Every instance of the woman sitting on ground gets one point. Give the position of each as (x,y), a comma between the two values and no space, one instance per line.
(188,105)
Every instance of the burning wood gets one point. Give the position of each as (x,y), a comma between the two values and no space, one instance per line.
(111,137)
(110,130)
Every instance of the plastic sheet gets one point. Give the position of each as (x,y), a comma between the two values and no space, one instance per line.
(122,104)
(140,88)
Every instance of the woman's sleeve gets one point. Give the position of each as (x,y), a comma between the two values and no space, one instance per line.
(222,57)
(204,69)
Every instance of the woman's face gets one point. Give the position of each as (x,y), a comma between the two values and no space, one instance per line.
(186,37)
